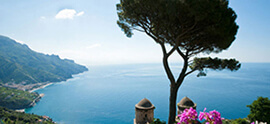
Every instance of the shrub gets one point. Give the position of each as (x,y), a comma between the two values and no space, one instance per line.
(240,121)
(158,121)
(260,110)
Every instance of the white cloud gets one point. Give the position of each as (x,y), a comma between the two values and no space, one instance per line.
(68,14)
(93,46)
(80,13)
(42,17)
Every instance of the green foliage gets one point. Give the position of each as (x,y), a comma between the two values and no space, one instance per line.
(18,63)
(189,26)
(158,121)
(236,121)
(194,25)
(240,121)
(260,110)
(16,99)
(201,64)
(11,117)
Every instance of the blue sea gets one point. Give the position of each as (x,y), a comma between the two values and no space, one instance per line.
(108,94)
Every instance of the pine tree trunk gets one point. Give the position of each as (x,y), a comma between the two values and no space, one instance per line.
(172,112)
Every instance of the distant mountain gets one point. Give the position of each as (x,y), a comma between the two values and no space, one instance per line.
(21,65)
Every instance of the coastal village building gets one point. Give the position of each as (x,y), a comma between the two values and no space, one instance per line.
(185,103)
(144,112)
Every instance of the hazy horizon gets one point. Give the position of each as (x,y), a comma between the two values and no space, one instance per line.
(86,32)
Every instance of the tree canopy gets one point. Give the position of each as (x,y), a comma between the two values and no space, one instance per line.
(193,25)
(189,26)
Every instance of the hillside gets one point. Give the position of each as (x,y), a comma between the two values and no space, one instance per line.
(8,116)
(17,99)
(19,65)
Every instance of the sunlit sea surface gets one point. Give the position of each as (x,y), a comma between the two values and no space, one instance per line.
(108,94)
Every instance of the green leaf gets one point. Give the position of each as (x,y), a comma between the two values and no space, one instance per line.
(201,64)
(125,28)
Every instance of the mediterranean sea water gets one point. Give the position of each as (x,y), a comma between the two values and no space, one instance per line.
(108,94)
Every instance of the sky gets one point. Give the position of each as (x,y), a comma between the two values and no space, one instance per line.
(86,31)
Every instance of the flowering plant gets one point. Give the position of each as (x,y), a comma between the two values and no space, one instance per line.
(213,117)
(188,116)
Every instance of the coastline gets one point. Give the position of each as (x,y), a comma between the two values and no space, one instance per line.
(42,94)
(32,104)
(41,87)
(37,99)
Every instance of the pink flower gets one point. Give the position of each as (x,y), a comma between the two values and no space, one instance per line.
(188,115)
(212,117)
(201,116)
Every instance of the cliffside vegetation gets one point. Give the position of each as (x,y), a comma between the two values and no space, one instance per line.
(8,116)
(16,99)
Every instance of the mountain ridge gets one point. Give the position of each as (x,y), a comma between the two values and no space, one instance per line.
(21,65)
